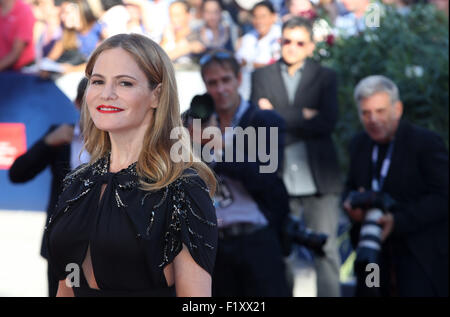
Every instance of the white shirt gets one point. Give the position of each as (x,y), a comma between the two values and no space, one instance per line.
(254,50)
(158,13)
(262,51)
(116,20)
(75,148)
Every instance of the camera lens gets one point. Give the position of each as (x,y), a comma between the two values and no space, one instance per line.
(369,244)
(202,107)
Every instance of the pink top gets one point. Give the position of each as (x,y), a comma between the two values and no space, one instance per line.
(17,24)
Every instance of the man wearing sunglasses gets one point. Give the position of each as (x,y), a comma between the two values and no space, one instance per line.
(305,94)
(251,204)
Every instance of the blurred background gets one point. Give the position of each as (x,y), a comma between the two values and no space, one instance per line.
(405,40)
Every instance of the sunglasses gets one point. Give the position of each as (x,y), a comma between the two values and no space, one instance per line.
(217,55)
(288,42)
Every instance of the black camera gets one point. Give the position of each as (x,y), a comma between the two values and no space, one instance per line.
(375,204)
(294,231)
(369,246)
(202,107)
(370,199)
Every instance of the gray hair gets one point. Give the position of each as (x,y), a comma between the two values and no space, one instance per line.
(374,84)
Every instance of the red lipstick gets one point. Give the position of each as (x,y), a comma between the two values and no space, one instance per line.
(108,109)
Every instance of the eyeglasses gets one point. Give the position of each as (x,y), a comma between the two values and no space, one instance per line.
(288,42)
(217,55)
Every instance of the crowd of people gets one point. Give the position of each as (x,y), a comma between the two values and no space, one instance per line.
(67,31)
(254,59)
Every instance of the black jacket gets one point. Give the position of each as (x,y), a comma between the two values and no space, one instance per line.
(317,90)
(418,181)
(266,189)
(34,161)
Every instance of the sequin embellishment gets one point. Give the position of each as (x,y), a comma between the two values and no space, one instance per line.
(180,208)
(152,214)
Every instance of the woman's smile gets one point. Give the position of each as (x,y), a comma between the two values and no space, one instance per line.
(108,109)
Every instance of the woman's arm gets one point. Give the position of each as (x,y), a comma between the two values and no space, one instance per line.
(191,280)
(56,51)
(63,290)
(69,68)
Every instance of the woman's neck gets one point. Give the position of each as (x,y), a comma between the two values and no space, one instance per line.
(125,150)
(87,28)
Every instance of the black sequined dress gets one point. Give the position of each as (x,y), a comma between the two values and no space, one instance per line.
(131,234)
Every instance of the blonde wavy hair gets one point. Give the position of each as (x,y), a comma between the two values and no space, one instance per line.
(154,161)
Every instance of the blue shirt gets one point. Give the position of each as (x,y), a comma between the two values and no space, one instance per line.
(88,42)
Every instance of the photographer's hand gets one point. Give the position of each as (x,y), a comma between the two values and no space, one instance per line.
(355,214)
(308,114)
(265,104)
(387,223)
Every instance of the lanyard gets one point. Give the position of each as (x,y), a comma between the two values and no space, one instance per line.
(378,182)
(243,106)
(227,137)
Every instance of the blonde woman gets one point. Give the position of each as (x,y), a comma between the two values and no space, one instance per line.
(133,222)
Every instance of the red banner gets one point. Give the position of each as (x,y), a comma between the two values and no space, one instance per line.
(13,143)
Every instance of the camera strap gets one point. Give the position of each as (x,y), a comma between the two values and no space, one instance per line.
(378,181)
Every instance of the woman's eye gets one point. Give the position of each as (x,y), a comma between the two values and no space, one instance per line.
(96,82)
(126,84)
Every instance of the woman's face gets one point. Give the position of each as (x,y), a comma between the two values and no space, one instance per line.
(135,12)
(179,17)
(263,20)
(298,6)
(70,15)
(212,14)
(119,98)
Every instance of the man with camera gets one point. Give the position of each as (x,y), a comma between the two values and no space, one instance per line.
(251,203)
(397,197)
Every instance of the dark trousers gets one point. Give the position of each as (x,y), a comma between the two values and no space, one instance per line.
(411,279)
(250,265)
(400,275)
(52,282)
